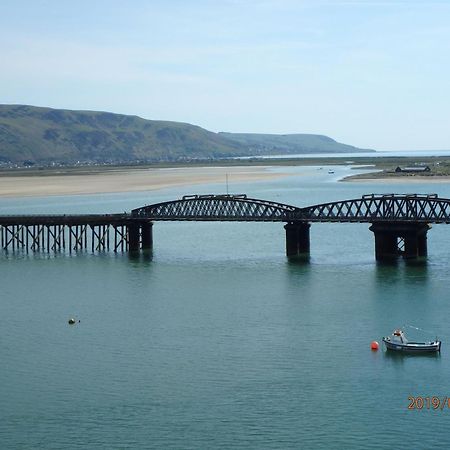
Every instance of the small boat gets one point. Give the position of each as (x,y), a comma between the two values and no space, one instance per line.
(331,171)
(398,342)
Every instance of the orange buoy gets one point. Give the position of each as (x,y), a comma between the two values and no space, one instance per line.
(374,345)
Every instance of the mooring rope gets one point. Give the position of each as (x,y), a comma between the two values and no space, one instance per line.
(421,329)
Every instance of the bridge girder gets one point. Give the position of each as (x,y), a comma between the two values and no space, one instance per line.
(380,208)
(217,208)
(369,209)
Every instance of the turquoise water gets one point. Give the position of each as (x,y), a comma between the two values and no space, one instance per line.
(216,340)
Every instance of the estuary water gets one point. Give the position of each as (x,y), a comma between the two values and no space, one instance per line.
(217,340)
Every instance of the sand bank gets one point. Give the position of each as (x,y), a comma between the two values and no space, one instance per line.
(401,180)
(128,180)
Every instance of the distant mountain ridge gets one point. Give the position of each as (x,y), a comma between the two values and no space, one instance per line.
(266,144)
(36,135)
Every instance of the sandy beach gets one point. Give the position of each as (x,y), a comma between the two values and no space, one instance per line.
(128,180)
(99,181)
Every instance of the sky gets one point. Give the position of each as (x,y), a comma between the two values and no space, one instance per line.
(370,73)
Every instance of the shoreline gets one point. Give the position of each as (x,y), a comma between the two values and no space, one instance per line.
(378,175)
(116,179)
(128,180)
(394,180)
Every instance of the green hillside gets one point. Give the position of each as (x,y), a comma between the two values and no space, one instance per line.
(266,144)
(35,135)
(44,135)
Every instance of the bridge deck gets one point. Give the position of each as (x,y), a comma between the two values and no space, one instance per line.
(59,232)
(68,219)
(393,217)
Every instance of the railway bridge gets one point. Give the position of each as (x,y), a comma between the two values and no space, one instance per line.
(400,223)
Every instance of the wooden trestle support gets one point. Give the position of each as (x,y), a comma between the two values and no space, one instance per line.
(131,236)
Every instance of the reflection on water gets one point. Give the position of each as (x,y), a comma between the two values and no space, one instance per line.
(217,340)
(401,356)
(299,260)
(145,256)
(401,270)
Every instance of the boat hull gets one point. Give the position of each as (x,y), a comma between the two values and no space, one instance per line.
(413,347)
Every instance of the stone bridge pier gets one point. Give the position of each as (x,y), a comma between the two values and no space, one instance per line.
(408,239)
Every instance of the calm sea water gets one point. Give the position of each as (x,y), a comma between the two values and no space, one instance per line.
(217,340)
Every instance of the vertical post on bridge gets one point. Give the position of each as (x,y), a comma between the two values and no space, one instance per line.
(147,235)
(133,230)
(416,241)
(386,243)
(297,239)
(422,244)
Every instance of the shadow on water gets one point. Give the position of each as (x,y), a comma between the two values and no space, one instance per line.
(391,271)
(299,265)
(419,263)
(298,273)
(300,260)
(144,257)
(401,357)
(399,261)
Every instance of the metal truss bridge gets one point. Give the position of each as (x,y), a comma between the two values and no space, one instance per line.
(399,222)
(218,208)
(369,208)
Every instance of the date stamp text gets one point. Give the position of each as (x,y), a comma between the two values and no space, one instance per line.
(434,402)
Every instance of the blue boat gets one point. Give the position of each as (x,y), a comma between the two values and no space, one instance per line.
(398,342)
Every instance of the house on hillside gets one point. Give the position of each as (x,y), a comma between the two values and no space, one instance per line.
(418,169)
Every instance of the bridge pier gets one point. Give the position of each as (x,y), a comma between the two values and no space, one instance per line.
(133,231)
(388,236)
(147,235)
(297,238)
(140,236)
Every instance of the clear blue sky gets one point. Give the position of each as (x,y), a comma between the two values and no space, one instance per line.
(371,73)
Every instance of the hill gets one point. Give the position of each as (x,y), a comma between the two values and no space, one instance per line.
(267,144)
(35,135)
(44,135)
